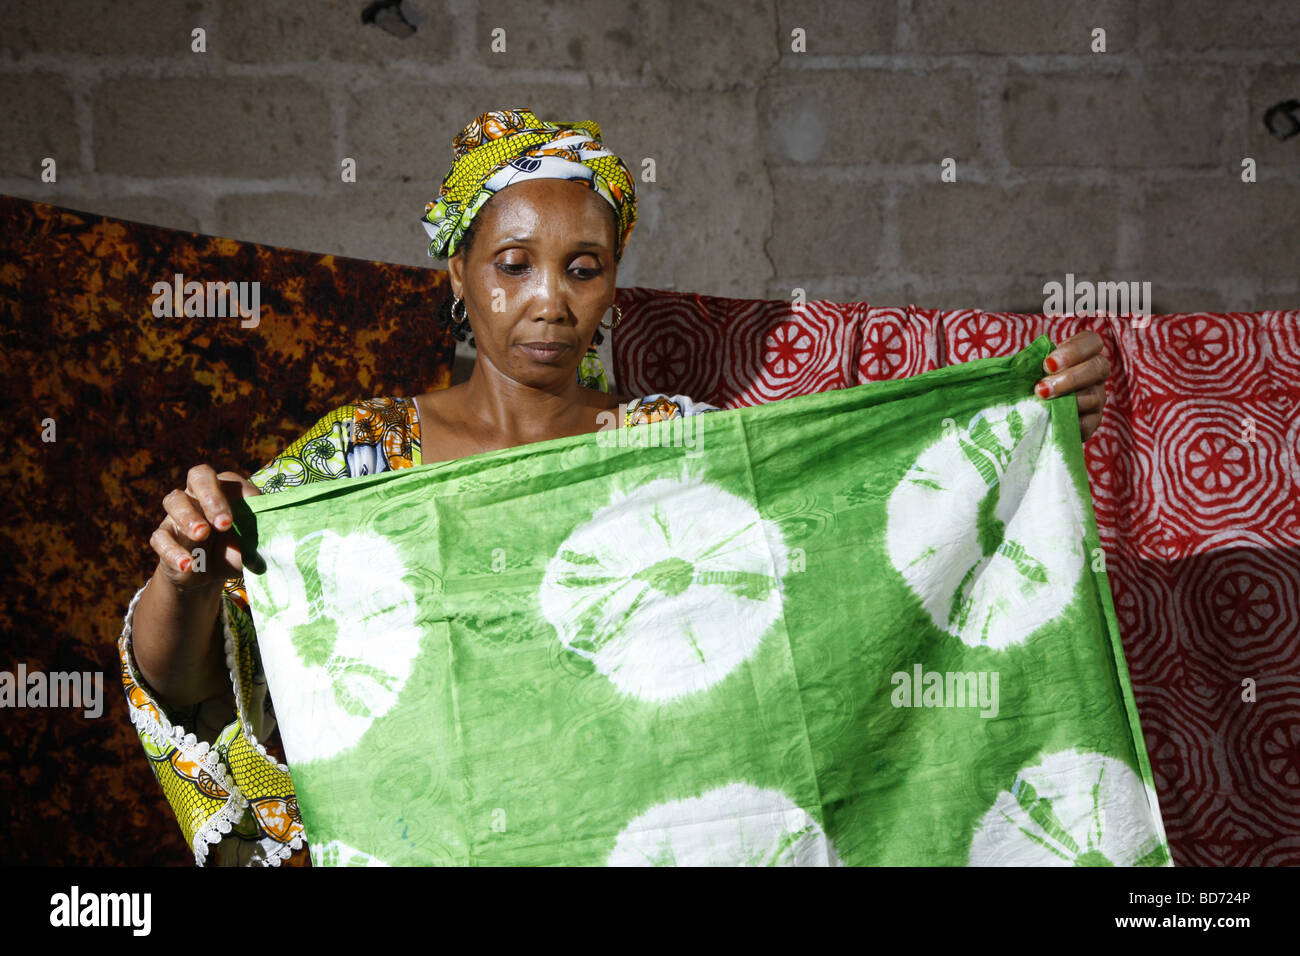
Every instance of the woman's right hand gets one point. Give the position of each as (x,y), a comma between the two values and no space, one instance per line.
(196,545)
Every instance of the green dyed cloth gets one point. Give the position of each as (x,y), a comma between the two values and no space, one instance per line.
(866,626)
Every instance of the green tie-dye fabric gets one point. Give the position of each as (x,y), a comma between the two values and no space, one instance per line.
(867,626)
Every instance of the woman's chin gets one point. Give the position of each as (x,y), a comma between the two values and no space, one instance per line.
(544,376)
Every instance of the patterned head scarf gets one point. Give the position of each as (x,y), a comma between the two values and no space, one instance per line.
(503,147)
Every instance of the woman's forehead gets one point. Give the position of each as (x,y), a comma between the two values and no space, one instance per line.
(536,201)
(534,193)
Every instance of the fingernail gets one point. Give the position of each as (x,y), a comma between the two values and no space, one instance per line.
(222,522)
(1052,363)
(1043,389)
(185,564)
(196,527)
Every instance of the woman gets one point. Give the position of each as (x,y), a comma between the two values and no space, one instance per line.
(533,271)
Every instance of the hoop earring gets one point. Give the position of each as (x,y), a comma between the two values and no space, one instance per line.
(618,317)
(464,314)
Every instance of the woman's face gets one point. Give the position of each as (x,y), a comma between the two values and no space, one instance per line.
(541,272)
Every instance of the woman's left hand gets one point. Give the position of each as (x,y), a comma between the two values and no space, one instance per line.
(1078,366)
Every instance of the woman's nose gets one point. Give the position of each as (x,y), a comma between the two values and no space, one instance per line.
(549,299)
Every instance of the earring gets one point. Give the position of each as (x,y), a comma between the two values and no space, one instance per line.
(464,314)
(618,317)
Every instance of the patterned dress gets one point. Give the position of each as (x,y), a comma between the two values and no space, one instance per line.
(219,762)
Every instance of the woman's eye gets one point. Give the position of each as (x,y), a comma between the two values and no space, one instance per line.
(515,269)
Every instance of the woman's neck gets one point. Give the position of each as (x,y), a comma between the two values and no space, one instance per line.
(501,409)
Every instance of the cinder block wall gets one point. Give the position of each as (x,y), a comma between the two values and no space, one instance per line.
(774,168)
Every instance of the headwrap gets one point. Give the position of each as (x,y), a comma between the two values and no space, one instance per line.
(503,147)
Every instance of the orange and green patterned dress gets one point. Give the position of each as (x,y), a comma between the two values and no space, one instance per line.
(219,762)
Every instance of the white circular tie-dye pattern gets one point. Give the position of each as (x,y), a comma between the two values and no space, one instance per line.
(667,589)
(353,674)
(933,537)
(338,853)
(735,825)
(1071,809)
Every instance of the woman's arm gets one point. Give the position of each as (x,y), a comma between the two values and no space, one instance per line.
(178,644)
(1078,366)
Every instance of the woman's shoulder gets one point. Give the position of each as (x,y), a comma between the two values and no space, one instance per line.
(381,434)
(359,438)
(658,407)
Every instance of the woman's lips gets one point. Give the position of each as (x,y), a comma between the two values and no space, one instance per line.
(549,353)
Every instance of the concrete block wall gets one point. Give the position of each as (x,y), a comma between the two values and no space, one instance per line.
(775,169)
